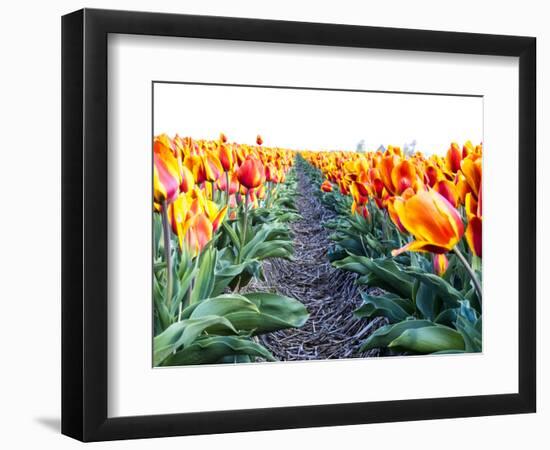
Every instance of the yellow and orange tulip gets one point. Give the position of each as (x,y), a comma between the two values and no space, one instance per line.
(435,224)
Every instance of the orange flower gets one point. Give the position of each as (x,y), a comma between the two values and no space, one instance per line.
(199,233)
(259,140)
(225,156)
(260,192)
(475,222)
(447,190)
(385,168)
(362,210)
(223,138)
(403,176)
(440,264)
(453,158)
(214,214)
(474,235)
(326,186)
(178,212)
(251,173)
(212,166)
(233,183)
(462,187)
(187,180)
(432,220)
(195,164)
(432,174)
(166,178)
(471,168)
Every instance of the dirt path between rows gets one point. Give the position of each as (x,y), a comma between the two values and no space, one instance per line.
(329,294)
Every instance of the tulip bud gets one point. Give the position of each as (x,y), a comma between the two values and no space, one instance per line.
(474,235)
(326,186)
(166,178)
(199,233)
(212,166)
(453,158)
(440,264)
(259,140)
(187,180)
(225,156)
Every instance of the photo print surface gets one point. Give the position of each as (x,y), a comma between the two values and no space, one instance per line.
(297,224)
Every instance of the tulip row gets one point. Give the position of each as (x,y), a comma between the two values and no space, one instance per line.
(220,208)
(410,225)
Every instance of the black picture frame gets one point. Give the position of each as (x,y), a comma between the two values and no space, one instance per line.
(84,224)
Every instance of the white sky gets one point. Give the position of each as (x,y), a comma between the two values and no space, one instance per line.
(317,120)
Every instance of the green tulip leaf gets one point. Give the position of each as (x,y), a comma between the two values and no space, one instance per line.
(184,333)
(385,335)
(430,339)
(449,295)
(211,350)
(391,306)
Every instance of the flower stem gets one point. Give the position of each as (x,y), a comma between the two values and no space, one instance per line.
(167,253)
(227,187)
(245,222)
(470,271)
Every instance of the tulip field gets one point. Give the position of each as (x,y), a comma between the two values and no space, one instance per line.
(270,254)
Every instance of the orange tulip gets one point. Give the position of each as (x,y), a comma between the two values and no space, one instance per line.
(471,168)
(462,187)
(394,216)
(233,183)
(251,173)
(212,166)
(214,214)
(326,186)
(470,205)
(474,235)
(432,175)
(187,180)
(178,212)
(432,220)
(453,158)
(199,233)
(259,140)
(385,168)
(357,195)
(467,149)
(166,178)
(362,210)
(440,264)
(448,190)
(403,176)
(196,165)
(223,138)
(225,156)
(475,221)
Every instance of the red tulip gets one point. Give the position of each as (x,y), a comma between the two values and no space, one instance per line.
(251,173)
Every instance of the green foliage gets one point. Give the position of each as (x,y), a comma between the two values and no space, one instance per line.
(204,322)
(427,313)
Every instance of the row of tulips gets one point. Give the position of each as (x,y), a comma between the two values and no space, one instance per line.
(220,208)
(412,226)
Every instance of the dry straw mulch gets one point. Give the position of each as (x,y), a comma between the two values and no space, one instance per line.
(329,294)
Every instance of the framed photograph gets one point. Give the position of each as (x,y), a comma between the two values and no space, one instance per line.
(273,224)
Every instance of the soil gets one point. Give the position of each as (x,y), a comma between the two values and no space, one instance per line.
(329,294)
